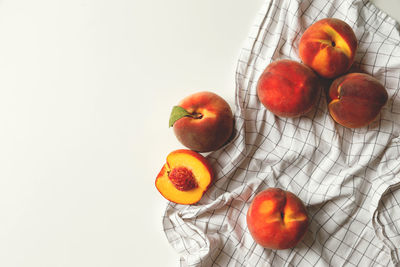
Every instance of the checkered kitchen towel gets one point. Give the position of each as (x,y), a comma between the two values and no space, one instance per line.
(348,178)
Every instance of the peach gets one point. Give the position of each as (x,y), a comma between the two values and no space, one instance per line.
(184,177)
(277,219)
(288,88)
(356,99)
(202,121)
(328,46)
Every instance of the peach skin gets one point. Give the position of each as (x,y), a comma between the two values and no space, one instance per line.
(288,88)
(277,219)
(328,46)
(356,99)
(185,177)
(202,121)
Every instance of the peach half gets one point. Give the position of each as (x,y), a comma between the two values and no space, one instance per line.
(184,177)
(328,46)
(356,99)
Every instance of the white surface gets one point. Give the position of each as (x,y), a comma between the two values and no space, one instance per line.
(86,88)
(390,7)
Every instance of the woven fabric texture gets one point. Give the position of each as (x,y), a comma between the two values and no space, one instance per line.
(347,178)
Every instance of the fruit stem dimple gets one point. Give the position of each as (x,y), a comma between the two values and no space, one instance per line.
(197,116)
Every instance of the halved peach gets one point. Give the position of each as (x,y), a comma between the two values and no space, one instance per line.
(185,177)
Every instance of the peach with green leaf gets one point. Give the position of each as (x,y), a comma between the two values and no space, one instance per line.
(202,122)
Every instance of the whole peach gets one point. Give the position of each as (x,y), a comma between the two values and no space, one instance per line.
(356,99)
(277,219)
(328,46)
(205,122)
(288,88)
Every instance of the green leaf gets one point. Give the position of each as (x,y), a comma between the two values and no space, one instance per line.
(176,114)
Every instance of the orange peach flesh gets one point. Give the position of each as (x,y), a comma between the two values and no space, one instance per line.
(277,219)
(356,99)
(328,46)
(198,166)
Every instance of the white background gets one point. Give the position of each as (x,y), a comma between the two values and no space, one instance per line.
(86,88)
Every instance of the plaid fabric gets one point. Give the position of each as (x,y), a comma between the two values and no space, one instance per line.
(347,178)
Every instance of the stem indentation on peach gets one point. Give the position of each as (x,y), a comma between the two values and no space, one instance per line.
(197,116)
(339,41)
(182,178)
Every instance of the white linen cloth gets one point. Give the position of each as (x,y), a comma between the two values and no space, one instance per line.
(347,178)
